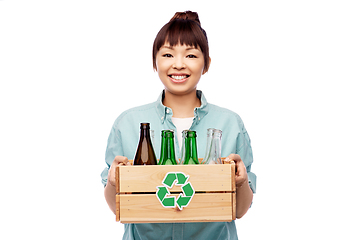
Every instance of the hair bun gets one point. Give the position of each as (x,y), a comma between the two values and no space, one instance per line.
(187,15)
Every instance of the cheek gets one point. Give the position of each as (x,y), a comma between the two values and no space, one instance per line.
(199,69)
(161,67)
(161,71)
(159,64)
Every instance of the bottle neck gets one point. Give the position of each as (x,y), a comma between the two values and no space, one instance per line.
(167,155)
(144,133)
(213,148)
(167,148)
(190,149)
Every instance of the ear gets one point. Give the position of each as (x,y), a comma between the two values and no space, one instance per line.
(205,70)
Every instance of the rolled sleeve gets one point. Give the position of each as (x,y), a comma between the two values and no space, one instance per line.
(113,149)
(245,151)
(252,181)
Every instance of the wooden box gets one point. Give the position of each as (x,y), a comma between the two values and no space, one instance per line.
(180,193)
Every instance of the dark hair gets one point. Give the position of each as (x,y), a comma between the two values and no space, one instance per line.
(183,28)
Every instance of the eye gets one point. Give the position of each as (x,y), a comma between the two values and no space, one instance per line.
(191,56)
(167,55)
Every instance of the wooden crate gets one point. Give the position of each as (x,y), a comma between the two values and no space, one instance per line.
(138,198)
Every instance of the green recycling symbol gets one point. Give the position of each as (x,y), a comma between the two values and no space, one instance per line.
(184,198)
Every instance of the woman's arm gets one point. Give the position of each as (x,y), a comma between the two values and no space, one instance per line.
(110,193)
(244,194)
(110,188)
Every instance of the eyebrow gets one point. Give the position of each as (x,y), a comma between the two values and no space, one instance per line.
(189,48)
(169,47)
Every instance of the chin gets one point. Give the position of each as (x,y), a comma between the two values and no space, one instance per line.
(180,91)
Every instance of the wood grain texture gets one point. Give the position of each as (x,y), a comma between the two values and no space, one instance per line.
(234,205)
(204,178)
(204,207)
(214,199)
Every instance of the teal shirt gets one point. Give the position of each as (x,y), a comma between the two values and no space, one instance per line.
(123,141)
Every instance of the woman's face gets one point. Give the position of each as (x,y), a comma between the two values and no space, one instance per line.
(180,68)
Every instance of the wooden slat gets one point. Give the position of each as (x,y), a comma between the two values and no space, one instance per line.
(204,207)
(117,212)
(234,205)
(117,179)
(204,178)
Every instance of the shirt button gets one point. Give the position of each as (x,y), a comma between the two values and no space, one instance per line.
(167,110)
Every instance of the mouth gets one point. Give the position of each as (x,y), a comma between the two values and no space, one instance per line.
(178,78)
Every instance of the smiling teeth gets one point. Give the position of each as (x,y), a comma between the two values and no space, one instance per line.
(178,77)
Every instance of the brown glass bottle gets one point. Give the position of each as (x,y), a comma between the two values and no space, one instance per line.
(145,154)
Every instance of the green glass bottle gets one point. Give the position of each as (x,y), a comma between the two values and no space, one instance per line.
(145,154)
(167,155)
(189,148)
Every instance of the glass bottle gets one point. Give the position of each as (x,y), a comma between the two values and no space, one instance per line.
(167,154)
(213,147)
(209,135)
(152,136)
(189,148)
(145,154)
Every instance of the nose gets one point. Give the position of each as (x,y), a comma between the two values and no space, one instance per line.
(178,64)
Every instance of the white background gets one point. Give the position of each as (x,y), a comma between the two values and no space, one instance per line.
(290,69)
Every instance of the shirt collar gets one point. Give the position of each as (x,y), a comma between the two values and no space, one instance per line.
(166,112)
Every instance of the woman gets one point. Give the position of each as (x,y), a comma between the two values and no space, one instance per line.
(181,57)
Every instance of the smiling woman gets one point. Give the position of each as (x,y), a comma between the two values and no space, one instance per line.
(181,57)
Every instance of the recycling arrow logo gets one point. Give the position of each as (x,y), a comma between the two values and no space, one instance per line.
(184,198)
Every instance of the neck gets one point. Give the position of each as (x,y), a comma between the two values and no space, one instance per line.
(182,105)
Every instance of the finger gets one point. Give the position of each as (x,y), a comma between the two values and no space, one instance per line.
(120,159)
(125,163)
(241,169)
(234,157)
(228,161)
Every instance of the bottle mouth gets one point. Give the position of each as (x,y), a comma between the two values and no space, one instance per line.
(214,132)
(144,125)
(189,133)
(217,132)
(167,133)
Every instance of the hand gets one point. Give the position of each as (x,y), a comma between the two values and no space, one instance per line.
(240,171)
(119,160)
